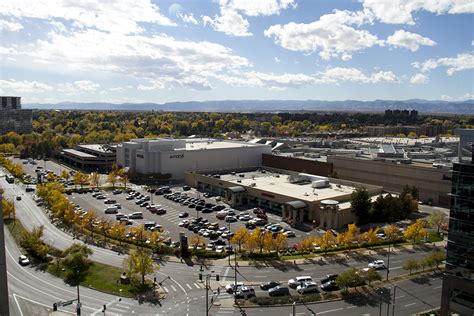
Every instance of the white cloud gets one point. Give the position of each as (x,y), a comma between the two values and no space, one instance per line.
(466,96)
(411,41)
(188,18)
(229,22)
(76,87)
(332,35)
(231,19)
(15,87)
(117,16)
(10,26)
(259,7)
(277,60)
(160,58)
(341,74)
(268,80)
(453,64)
(419,79)
(400,11)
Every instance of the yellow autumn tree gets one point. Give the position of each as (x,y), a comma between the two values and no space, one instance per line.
(240,236)
(416,230)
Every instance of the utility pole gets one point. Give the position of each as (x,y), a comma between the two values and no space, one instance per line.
(294,308)
(78,308)
(381,301)
(228,241)
(388,261)
(235,274)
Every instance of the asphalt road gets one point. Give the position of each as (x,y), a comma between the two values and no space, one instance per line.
(185,293)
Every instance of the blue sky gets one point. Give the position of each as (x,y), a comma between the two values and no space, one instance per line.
(164,51)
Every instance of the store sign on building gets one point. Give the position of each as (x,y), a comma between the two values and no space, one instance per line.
(179,156)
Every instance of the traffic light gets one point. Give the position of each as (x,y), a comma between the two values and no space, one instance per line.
(55,307)
(217,277)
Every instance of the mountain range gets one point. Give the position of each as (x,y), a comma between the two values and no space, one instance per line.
(423,106)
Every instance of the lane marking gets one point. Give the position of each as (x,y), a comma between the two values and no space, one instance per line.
(438,287)
(174,289)
(189,286)
(411,304)
(17,304)
(197,286)
(37,303)
(330,311)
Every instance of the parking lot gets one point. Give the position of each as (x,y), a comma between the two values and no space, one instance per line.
(171,219)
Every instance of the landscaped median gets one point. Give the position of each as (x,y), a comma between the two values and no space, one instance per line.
(93,275)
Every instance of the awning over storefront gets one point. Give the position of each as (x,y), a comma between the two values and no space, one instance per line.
(236,189)
(296,204)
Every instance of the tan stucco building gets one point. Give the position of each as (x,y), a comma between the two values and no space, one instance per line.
(297,197)
(433,183)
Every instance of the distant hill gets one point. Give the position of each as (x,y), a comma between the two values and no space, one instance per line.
(424,106)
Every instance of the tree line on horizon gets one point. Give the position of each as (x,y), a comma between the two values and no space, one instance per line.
(55,130)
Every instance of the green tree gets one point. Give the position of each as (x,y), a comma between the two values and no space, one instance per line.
(437,257)
(76,262)
(33,244)
(360,202)
(349,278)
(372,275)
(411,264)
(437,219)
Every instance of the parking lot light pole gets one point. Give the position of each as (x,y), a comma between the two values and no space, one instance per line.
(388,261)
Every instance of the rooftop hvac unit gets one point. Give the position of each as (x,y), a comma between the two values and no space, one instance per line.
(320,184)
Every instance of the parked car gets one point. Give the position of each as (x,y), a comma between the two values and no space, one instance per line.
(329,286)
(268,285)
(18,198)
(289,233)
(23,260)
(220,249)
(183,214)
(110,201)
(129,197)
(307,287)
(279,291)
(329,277)
(245,292)
(117,191)
(294,283)
(230,219)
(136,215)
(377,264)
(111,210)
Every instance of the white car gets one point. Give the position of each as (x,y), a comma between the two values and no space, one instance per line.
(307,287)
(220,249)
(230,288)
(294,283)
(377,264)
(23,260)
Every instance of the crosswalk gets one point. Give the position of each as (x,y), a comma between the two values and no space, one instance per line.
(116,307)
(192,286)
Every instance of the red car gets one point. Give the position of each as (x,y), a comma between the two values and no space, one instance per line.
(262,215)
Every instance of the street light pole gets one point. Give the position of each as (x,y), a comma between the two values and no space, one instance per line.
(228,242)
(393,306)
(381,298)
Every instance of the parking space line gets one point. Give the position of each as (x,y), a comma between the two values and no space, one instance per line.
(189,286)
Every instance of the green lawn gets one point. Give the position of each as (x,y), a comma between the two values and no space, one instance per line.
(16,229)
(434,237)
(100,277)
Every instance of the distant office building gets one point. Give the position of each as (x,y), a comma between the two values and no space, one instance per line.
(429,130)
(174,157)
(90,157)
(458,282)
(3,267)
(13,118)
